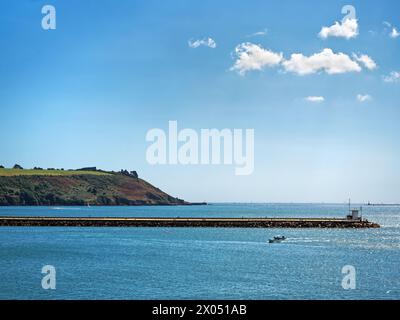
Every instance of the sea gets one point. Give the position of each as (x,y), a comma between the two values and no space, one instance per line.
(201,263)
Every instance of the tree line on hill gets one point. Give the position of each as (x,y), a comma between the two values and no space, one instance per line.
(18,167)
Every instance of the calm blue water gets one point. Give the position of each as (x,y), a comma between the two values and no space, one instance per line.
(204,263)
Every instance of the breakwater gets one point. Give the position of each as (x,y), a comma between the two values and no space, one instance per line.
(22,221)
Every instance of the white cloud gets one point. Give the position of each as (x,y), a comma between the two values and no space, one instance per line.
(394,34)
(394,76)
(207,42)
(259,33)
(326,60)
(363,97)
(315,99)
(250,56)
(347,29)
(367,61)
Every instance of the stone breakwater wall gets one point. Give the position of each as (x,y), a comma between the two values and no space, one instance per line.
(185,222)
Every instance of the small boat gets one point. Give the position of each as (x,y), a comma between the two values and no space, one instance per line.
(277,239)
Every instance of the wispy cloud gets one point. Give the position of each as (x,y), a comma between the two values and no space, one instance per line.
(326,60)
(394,76)
(387,24)
(367,61)
(251,56)
(364,97)
(347,29)
(206,42)
(315,99)
(258,33)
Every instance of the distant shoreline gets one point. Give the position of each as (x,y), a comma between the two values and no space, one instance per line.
(111,205)
(383,205)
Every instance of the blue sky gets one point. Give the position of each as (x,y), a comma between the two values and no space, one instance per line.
(87,93)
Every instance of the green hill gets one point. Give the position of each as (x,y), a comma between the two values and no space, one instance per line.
(20,187)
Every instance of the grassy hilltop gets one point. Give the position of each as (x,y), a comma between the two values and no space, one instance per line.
(23,187)
(50,172)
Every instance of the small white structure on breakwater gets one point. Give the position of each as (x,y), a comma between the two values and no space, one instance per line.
(354,214)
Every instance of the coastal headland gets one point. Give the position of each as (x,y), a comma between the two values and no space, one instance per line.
(81,187)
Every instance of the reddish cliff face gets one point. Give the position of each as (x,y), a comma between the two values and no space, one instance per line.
(107,189)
